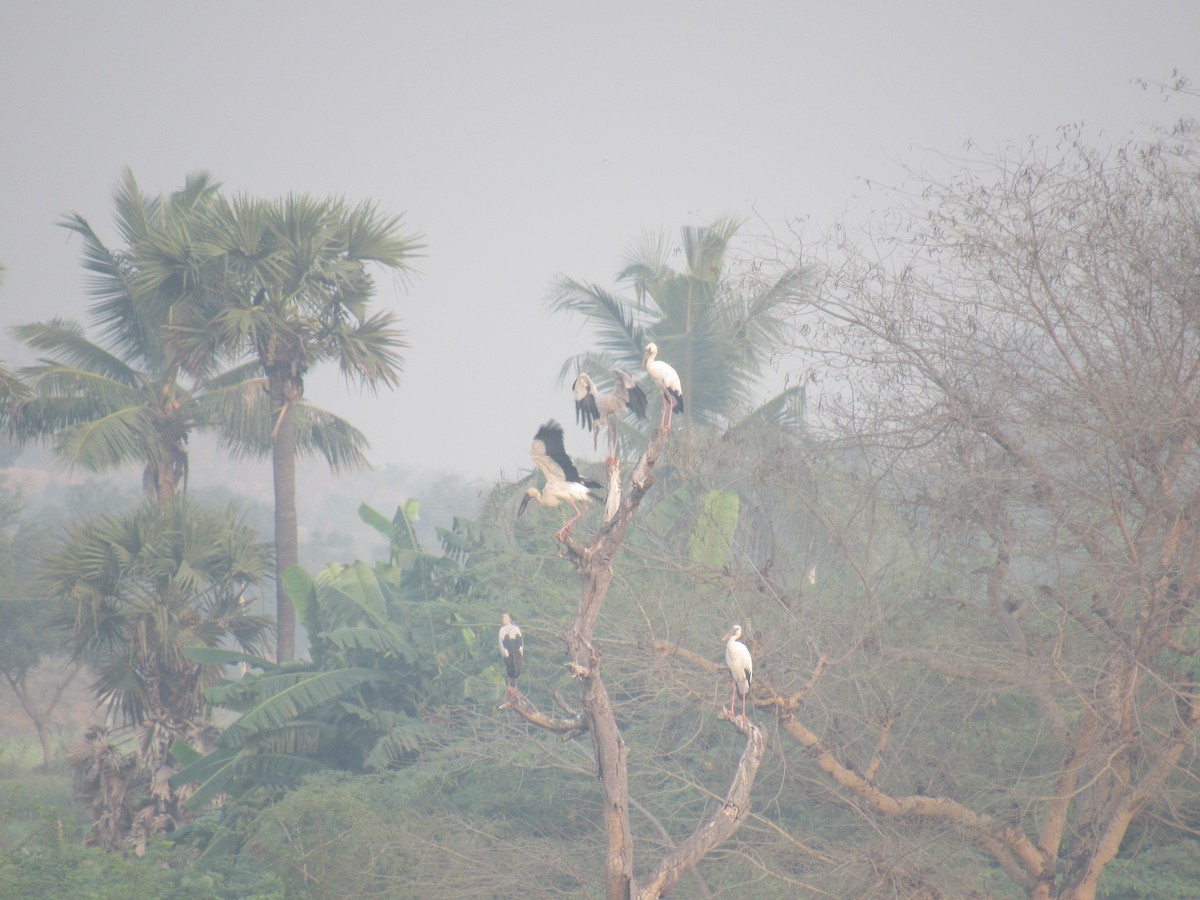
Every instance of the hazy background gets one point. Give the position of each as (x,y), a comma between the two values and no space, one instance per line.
(526,139)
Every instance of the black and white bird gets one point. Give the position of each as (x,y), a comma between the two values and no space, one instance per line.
(563,481)
(741,667)
(512,648)
(667,380)
(593,409)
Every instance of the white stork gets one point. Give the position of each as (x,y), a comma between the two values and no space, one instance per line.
(741,667)
(563,481)
(512,648)
(593,409)
(668,383)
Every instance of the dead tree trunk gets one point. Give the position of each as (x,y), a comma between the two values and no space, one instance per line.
(41,718)
(595,566)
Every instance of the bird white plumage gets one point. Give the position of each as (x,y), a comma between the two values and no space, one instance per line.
(563,481)
(741,667)
(512,649)
(593,409)
(667,380)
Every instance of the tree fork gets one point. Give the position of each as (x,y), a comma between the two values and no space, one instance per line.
(594,564)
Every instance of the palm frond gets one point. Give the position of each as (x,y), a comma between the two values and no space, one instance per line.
(106,442)
(115,307)
(784,410)
(67,346)
(705,246)
(13,389)
(618,332)
(320,433)
(378,237)
(242,411)
(368,354)
(646,262)
(136,214)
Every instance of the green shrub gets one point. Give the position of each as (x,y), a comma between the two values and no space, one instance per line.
(1159,872)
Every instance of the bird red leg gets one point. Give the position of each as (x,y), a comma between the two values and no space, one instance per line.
(566,529)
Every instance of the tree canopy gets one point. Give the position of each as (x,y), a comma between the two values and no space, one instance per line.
(284,285)
(1024,357)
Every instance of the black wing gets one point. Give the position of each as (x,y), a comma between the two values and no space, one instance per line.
(635,397)
(586,411)
(514,645)
(551,436)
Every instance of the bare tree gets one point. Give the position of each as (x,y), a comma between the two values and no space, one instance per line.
(597,716)
(1018,360)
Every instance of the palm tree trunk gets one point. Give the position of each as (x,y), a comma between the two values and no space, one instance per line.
(283,469)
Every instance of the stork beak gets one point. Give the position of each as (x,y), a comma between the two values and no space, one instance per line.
(727,635)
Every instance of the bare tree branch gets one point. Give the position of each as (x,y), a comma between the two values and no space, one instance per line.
(720,827)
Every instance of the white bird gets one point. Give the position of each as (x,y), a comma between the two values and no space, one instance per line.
(668,383)
(593,409)
(512,648)
(741,667)
(563,481)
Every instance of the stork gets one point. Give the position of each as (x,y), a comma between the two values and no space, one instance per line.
(668,383)
(741,667)
(593,409)
(563,481)
(512,648)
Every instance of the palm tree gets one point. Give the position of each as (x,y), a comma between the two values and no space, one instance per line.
(104,406)
(285,284)
(145,584)
(717,331)
(719,321)
(99,411)
(142,588)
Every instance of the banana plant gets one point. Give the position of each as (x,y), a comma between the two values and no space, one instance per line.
(385,642)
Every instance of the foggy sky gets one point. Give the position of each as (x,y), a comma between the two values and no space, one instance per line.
(527,139)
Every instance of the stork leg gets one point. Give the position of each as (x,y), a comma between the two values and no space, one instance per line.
(566,529)
(614,438)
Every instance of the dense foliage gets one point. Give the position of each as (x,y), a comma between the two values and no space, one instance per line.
(968,578)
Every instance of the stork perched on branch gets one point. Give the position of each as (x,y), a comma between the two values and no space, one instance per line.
(667,380)
(593,409)
(512,649)
(741,667)
(563,481)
